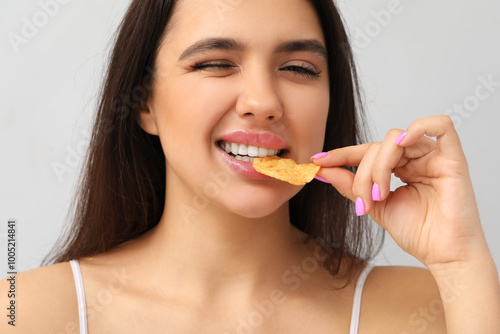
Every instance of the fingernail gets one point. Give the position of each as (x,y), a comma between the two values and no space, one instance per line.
(360,207)
(319,155)
(319,178)
(376,192)
(401,137)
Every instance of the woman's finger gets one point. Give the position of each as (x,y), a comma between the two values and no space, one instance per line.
(362,186)
(345,156)
(341,179)
(392,156)
(389,156)
(422,147)
(442,128)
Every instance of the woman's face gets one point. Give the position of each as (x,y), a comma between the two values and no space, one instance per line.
(239,76)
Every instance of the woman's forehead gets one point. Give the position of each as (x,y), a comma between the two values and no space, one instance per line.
(245,20)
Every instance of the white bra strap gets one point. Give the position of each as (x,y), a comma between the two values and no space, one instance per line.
(80,294)
(356,307)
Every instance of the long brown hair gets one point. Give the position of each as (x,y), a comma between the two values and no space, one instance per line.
(122,185)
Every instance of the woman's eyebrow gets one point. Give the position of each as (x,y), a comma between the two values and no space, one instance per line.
(209,44)
(228,44)
(307,45)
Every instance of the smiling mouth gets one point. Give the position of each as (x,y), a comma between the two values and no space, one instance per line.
(247,153)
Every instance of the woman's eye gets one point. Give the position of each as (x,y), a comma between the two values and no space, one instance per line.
(304,70)
(202,66)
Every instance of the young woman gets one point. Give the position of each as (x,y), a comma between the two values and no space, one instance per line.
(175,232)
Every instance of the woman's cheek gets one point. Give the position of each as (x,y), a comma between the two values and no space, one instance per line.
(306,123)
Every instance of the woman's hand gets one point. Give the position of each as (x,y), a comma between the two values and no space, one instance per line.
(434,217)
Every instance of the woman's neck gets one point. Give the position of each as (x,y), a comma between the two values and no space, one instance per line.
(213,254)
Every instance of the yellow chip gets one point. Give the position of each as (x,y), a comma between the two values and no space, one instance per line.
(286,170)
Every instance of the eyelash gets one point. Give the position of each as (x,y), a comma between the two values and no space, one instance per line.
(306,71)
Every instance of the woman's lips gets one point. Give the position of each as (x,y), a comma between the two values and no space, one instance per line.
(241,167)
(265,139)
(251,142)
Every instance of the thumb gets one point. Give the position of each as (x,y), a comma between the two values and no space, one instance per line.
(340,178)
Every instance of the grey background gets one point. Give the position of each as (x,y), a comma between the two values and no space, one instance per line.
(427,58)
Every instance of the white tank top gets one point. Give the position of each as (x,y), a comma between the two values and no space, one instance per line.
(82,308)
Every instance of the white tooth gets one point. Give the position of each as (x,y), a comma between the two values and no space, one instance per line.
(253,151)
(227,148)
(251,159)
(234,148)
(263,152)
(275,152)
(239,157)
(246,158)
(243,150)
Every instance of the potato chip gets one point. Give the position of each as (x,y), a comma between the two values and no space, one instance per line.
(286,170)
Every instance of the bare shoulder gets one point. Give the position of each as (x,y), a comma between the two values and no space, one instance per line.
(42,300)
(402,300)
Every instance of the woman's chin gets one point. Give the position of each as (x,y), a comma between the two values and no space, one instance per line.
(256,209)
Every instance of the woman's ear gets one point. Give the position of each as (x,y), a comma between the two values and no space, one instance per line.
(147,121)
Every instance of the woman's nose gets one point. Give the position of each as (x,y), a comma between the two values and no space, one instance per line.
(259,100)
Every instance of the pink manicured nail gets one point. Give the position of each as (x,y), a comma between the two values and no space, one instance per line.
(401,137)
(360,207)
(376,192)
(319,178)
(319,155)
